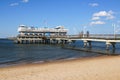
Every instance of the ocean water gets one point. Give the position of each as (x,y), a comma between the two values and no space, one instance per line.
(14,54)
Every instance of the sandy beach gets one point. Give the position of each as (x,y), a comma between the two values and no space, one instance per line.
(98,68)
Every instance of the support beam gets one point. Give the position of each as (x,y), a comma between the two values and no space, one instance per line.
(85,43)
(113,45)
(108,44)
(90,45)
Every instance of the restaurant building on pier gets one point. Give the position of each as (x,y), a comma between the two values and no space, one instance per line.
(40,35)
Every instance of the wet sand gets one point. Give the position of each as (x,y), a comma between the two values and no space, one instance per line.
(97,68)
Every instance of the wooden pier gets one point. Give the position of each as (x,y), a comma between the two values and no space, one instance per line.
(88,42)
(41,40)
(66,39)
(31,35)
(59,35)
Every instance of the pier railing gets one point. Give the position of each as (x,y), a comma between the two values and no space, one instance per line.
(96,36)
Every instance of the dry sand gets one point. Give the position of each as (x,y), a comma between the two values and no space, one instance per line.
(99,68)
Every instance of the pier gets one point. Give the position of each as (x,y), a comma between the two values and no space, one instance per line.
(31,35)
(58,35)
(88,42)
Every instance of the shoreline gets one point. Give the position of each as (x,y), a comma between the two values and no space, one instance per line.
(95,68)
(49,61)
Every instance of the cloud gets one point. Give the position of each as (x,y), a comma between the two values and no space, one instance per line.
(17,3)
(14,4)
(93,4)
(97,23)
(25,1)
(100,17)
(108,15)
(95,18)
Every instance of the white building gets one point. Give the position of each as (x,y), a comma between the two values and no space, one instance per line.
(32,31)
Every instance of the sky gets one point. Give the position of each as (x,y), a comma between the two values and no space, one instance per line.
(95,16)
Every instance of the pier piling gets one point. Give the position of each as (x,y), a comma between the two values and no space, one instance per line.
(108,44)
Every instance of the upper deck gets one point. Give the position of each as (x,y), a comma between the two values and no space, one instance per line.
(23,28)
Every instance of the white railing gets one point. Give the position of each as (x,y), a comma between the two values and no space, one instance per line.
(24,29)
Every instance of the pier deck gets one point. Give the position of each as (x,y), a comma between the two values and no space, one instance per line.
(88,41)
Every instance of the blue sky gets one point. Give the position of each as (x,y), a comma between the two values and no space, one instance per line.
(96,16)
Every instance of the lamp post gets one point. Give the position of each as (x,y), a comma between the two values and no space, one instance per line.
(84,31)
(114,30)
